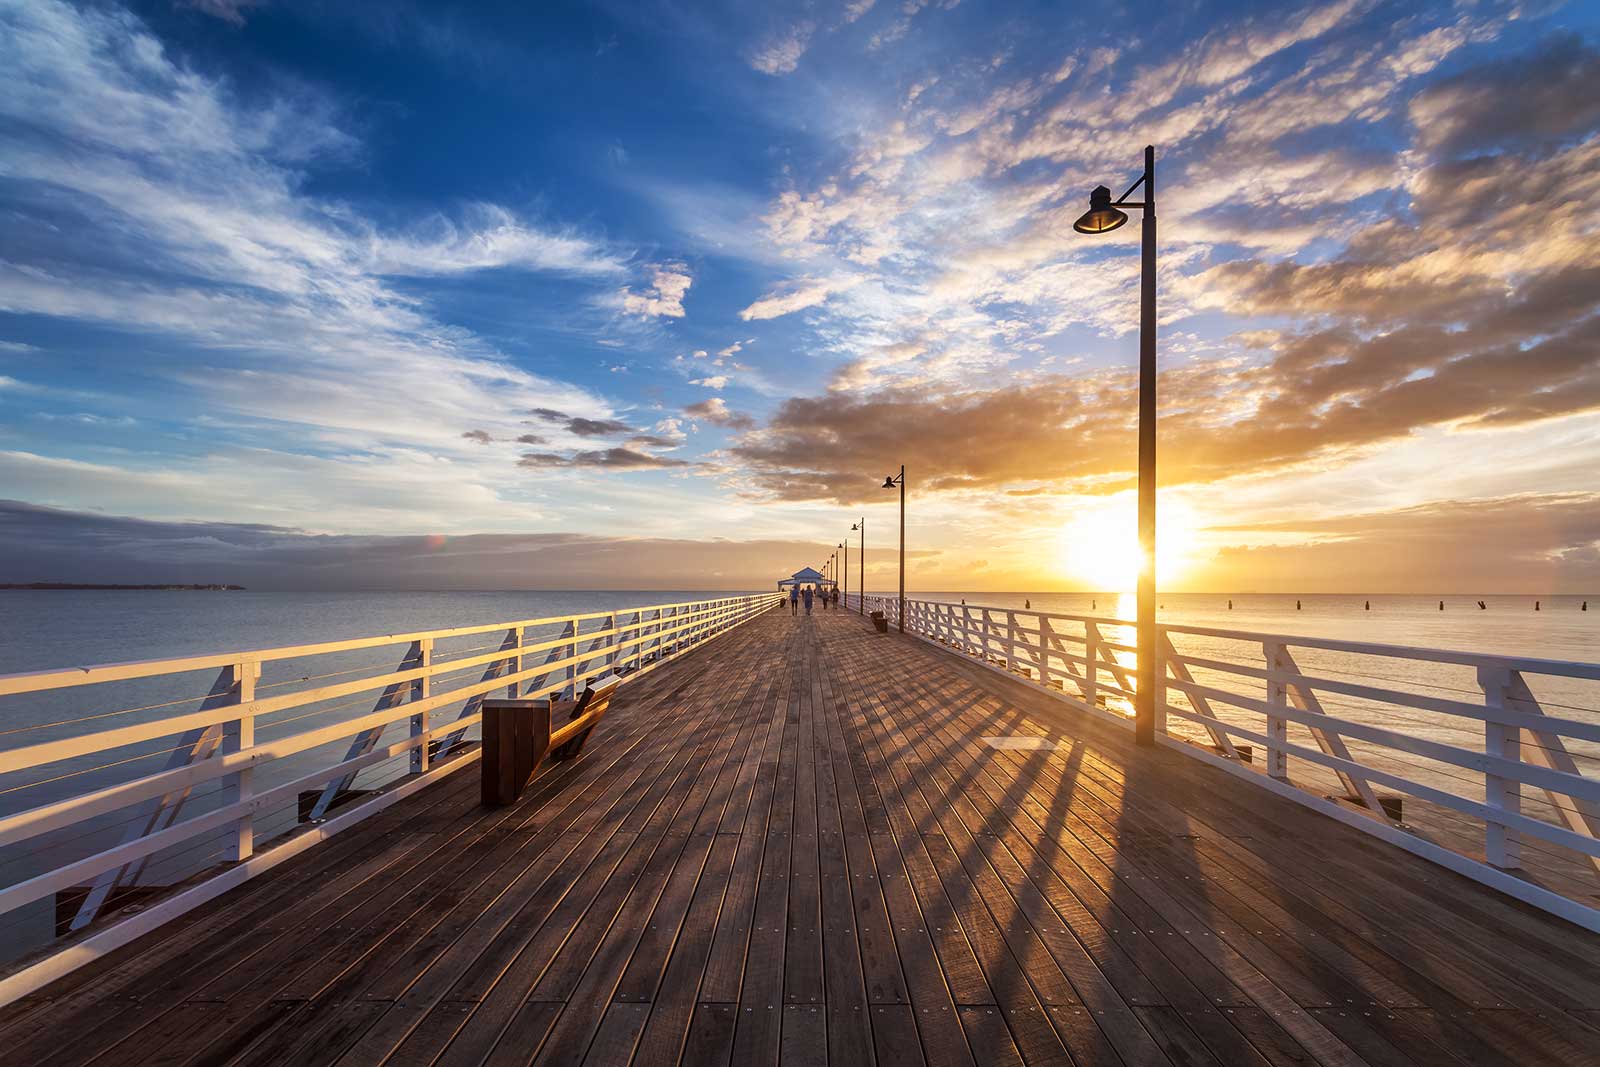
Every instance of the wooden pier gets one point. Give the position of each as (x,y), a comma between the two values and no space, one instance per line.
(807,843)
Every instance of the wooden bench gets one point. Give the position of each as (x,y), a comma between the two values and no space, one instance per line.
(517,736)
(567,742)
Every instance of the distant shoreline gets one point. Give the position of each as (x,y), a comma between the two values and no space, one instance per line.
(216,588)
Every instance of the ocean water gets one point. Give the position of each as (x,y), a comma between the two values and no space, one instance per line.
(41,630)
(46,629)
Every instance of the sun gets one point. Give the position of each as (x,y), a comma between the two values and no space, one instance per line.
(1099,545)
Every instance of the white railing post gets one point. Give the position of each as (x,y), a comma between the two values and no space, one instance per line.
(1091,674)
(1044,651)
(421,689)
(1502,845)
(570,690)
(1158,691)
(1277,725)
(238,735)
(514,637)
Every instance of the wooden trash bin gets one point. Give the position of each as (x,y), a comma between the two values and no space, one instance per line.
(516,738)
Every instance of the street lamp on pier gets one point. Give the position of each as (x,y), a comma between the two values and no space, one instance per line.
(889,483)
(861,569)
(1104,216)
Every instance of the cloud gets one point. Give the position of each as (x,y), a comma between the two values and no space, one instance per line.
(231,11)
(1326,396)
(805,293)
(1539,100)
(597,427)
(663,297)
(650,440)
(716,411)
(854,9)
(715,381)
(780,54)
(479,436)
(670,428)
(496,239)
(156,200)
(618,459)
(863,372)
(580,426)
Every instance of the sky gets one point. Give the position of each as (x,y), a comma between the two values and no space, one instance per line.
(653,295)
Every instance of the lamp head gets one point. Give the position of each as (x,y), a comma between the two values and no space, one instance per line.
(888,483)
(1101,217)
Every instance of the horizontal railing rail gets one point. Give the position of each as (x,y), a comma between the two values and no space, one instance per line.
(1486,763)
(87,821)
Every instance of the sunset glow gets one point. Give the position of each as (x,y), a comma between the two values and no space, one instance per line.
(1099,545)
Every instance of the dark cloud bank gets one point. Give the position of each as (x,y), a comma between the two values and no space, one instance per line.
(47,544)
(1530,543)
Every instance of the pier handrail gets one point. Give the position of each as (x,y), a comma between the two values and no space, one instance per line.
(217,743)
(1485,746)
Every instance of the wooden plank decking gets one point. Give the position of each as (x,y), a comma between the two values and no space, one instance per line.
(794,846)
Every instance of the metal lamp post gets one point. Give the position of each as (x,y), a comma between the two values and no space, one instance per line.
(889,483)
(844,554)
(1103,216)
(861,570)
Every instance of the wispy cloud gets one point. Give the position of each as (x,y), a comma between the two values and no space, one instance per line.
(663,296)
(780,54)
(232,11)
(716,412)
(491,238)
(47,543)
(797,296)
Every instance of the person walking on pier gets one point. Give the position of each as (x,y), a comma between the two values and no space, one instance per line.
(808,594)
(794,600)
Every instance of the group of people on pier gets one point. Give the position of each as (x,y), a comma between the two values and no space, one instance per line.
(809,595)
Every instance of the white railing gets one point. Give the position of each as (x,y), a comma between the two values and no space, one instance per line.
(86,820)
(1488,753)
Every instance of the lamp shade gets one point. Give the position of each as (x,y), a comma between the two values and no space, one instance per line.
(1101,217)
(888,483)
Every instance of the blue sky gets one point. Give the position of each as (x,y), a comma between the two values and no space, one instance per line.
(698,271)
